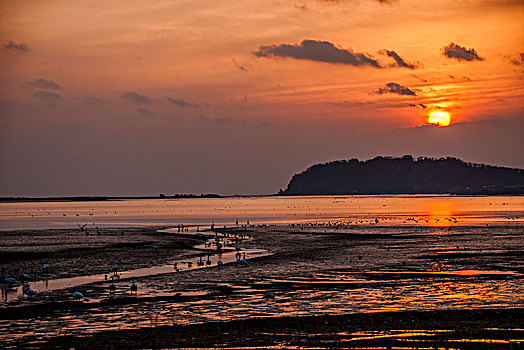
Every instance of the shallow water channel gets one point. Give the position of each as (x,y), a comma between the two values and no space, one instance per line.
(228,254)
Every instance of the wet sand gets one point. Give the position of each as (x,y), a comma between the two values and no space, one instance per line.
(457,329)
(320,287)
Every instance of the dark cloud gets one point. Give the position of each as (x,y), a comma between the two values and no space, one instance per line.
(517,61)
(182,103)
(48,96)
(461,53)
(242,67)
(17,47)
(399,61)
(135,97)
(394,88)
(319,51)
(224,120)
(419,78)
(95,101)
(145,112)
(41,84)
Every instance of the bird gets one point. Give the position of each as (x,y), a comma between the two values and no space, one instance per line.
(112,286)
(77,295)
(10,280)
(220,264)
(29,292)
(116,268)
(81,228)
(3,275)
(243,261)
(134,287)
(45,268)
(156,247)
(25,276)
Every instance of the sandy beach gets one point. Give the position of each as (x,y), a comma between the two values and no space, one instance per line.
(315,286)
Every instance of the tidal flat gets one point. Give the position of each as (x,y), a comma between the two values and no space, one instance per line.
(320,286)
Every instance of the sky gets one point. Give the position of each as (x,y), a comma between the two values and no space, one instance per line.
(234,97)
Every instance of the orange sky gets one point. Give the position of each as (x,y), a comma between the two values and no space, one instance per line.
(215,71)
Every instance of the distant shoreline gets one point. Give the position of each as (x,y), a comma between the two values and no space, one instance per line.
(100,198)
(190,196)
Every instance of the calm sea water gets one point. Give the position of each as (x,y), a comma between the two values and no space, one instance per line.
(442,210)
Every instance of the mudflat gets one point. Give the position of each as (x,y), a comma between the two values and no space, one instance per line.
(315,286)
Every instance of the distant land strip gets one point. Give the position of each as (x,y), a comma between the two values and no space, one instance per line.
(405,175)
(101,198)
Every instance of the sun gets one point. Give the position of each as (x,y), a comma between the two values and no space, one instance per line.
(439,118)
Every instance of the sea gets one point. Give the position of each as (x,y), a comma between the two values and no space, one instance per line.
(389,210)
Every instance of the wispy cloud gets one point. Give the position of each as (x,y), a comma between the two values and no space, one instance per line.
(41,84)
(95,101)
(224,120)
(461,53)
(399,61)
(48,96)
(145,112)
(387,2)
(180,102)
(394,88)
(319,51)
(382,2)
(22,47)
(135,97)
(302,7)
(241,66)
(517,61)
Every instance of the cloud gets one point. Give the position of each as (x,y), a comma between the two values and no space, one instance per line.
(394,88)
(95,101)
(224,120)
(135,97)
(399,61)
(40,84)
(517,61)
(302,7)
(22,47)
(145,112)
(182,103)
(264,123)
(48,96)
(241,66)
(319,51)
(382,2)
(461,53)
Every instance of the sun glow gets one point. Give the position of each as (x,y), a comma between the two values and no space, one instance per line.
(439,118)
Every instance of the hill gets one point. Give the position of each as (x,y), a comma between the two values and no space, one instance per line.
(406,175)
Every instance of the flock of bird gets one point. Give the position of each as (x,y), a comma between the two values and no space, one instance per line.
(24,278)
(133,288)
